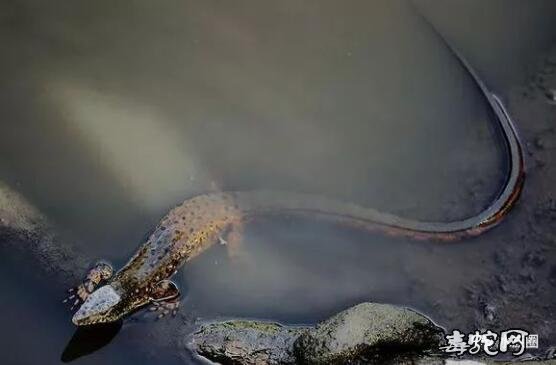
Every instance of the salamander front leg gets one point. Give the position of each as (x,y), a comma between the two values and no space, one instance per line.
(98,274)
(166,307)
(165,298)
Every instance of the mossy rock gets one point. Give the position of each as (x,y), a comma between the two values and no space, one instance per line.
(246,342)
(368,331)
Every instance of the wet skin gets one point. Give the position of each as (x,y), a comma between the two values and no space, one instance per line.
(182,234)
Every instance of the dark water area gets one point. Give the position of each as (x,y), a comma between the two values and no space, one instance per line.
(113,114)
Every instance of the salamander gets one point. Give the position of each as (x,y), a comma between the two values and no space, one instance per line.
(196,224)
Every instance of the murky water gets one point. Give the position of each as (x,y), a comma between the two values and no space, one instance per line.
(112,114)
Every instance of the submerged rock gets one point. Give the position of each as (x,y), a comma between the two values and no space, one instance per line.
(26,230)
(17,213)
(368,330)
(246,342)
(363,333)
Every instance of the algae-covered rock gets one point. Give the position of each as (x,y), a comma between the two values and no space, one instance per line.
(246,342)
(370,331)
(24,229)
(359,334)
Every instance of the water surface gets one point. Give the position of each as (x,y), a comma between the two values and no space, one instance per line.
(113,114)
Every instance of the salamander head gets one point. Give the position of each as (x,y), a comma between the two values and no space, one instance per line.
(101,306)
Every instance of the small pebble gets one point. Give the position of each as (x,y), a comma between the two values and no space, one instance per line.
(540,162)
(551,95)
(489,312)
(539,143)
(534,259)
(527,275)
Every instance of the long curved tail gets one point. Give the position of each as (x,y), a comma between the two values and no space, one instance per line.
(370,219)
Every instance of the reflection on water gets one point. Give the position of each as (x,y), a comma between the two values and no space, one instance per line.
(142,150)
(112,114)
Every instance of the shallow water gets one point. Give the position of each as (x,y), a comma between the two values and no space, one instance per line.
(114,114)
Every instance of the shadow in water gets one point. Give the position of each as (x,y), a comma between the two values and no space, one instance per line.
(87,340)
